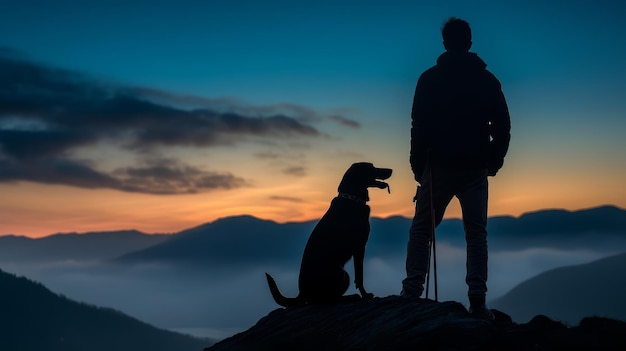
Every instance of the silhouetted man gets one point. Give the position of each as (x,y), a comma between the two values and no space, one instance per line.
(460,134)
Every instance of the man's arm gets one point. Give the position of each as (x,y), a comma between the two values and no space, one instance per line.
(500,130)
(419,115)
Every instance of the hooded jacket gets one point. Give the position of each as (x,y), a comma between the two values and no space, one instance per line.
(460,119)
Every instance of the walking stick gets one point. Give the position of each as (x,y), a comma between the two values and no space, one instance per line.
(429,256)
(432,250)
(432,232)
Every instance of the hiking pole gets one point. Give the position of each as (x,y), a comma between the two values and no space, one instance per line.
(430,249)
(434,248)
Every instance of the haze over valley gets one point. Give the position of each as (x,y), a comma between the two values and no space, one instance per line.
(209,280)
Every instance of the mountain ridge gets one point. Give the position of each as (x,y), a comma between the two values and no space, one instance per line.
(607,207)
(35,318)
(230,261)
(217,240)
(74,246)
(566,293)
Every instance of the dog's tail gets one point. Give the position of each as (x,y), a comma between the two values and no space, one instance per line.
(279,298)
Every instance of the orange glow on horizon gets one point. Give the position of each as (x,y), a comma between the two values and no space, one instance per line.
(36,210)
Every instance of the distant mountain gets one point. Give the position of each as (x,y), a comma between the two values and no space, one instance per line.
(241,240)
(571,293)
(603,226)
(249,240)
(92,246)
(34,318)
(598,219)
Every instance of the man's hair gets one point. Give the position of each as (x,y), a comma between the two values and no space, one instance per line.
(457,34)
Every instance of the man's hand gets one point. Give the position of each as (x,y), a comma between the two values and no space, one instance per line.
(417,192)
(494,166)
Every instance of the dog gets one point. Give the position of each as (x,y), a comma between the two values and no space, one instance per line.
(340,235)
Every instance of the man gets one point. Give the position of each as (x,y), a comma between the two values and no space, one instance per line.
(459,135)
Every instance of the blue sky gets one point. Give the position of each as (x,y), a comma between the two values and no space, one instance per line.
(344,69)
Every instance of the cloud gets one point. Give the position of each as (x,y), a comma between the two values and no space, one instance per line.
(303,114)
(267,155)
(287,198)
(169,176)
(54,170)
(62,101)
(297,171)
(47,114)
(345,121)
(160,177)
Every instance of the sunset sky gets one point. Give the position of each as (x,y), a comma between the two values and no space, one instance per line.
(163,115)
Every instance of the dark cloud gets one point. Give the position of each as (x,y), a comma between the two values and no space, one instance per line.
(56,171)
(47,113)
(65,101)
(298,171)
(160,177)
(287,198)
(168,176)
(345,121)
(29,144)
(286,154)
(267,155)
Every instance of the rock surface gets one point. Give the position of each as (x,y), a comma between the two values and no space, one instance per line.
(396,323)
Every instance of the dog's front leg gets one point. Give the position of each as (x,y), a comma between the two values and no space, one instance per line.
(359,256)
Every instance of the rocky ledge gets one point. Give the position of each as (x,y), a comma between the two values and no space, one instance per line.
(396,323)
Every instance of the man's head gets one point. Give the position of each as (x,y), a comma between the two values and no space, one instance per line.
(457,35)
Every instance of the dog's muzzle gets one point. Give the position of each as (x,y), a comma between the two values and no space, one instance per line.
(381,173)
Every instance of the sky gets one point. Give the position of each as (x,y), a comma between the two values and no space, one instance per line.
(163,115)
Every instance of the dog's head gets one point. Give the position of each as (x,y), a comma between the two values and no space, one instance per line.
(363,175)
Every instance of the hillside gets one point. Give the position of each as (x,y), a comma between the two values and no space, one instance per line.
(33,318)
(396,323)
(233,240)
(212,276)
(237,240)
(594,228)
(92,246)
(571,293)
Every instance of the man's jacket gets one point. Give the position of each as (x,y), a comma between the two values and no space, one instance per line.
(460,119)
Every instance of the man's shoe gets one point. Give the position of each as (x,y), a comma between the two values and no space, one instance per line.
(409,295)
(482,312)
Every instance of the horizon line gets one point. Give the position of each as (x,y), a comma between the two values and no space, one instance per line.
(290,222)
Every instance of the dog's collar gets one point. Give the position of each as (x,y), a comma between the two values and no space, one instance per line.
(352,197)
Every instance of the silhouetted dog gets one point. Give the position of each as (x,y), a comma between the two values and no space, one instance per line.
(340,235)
